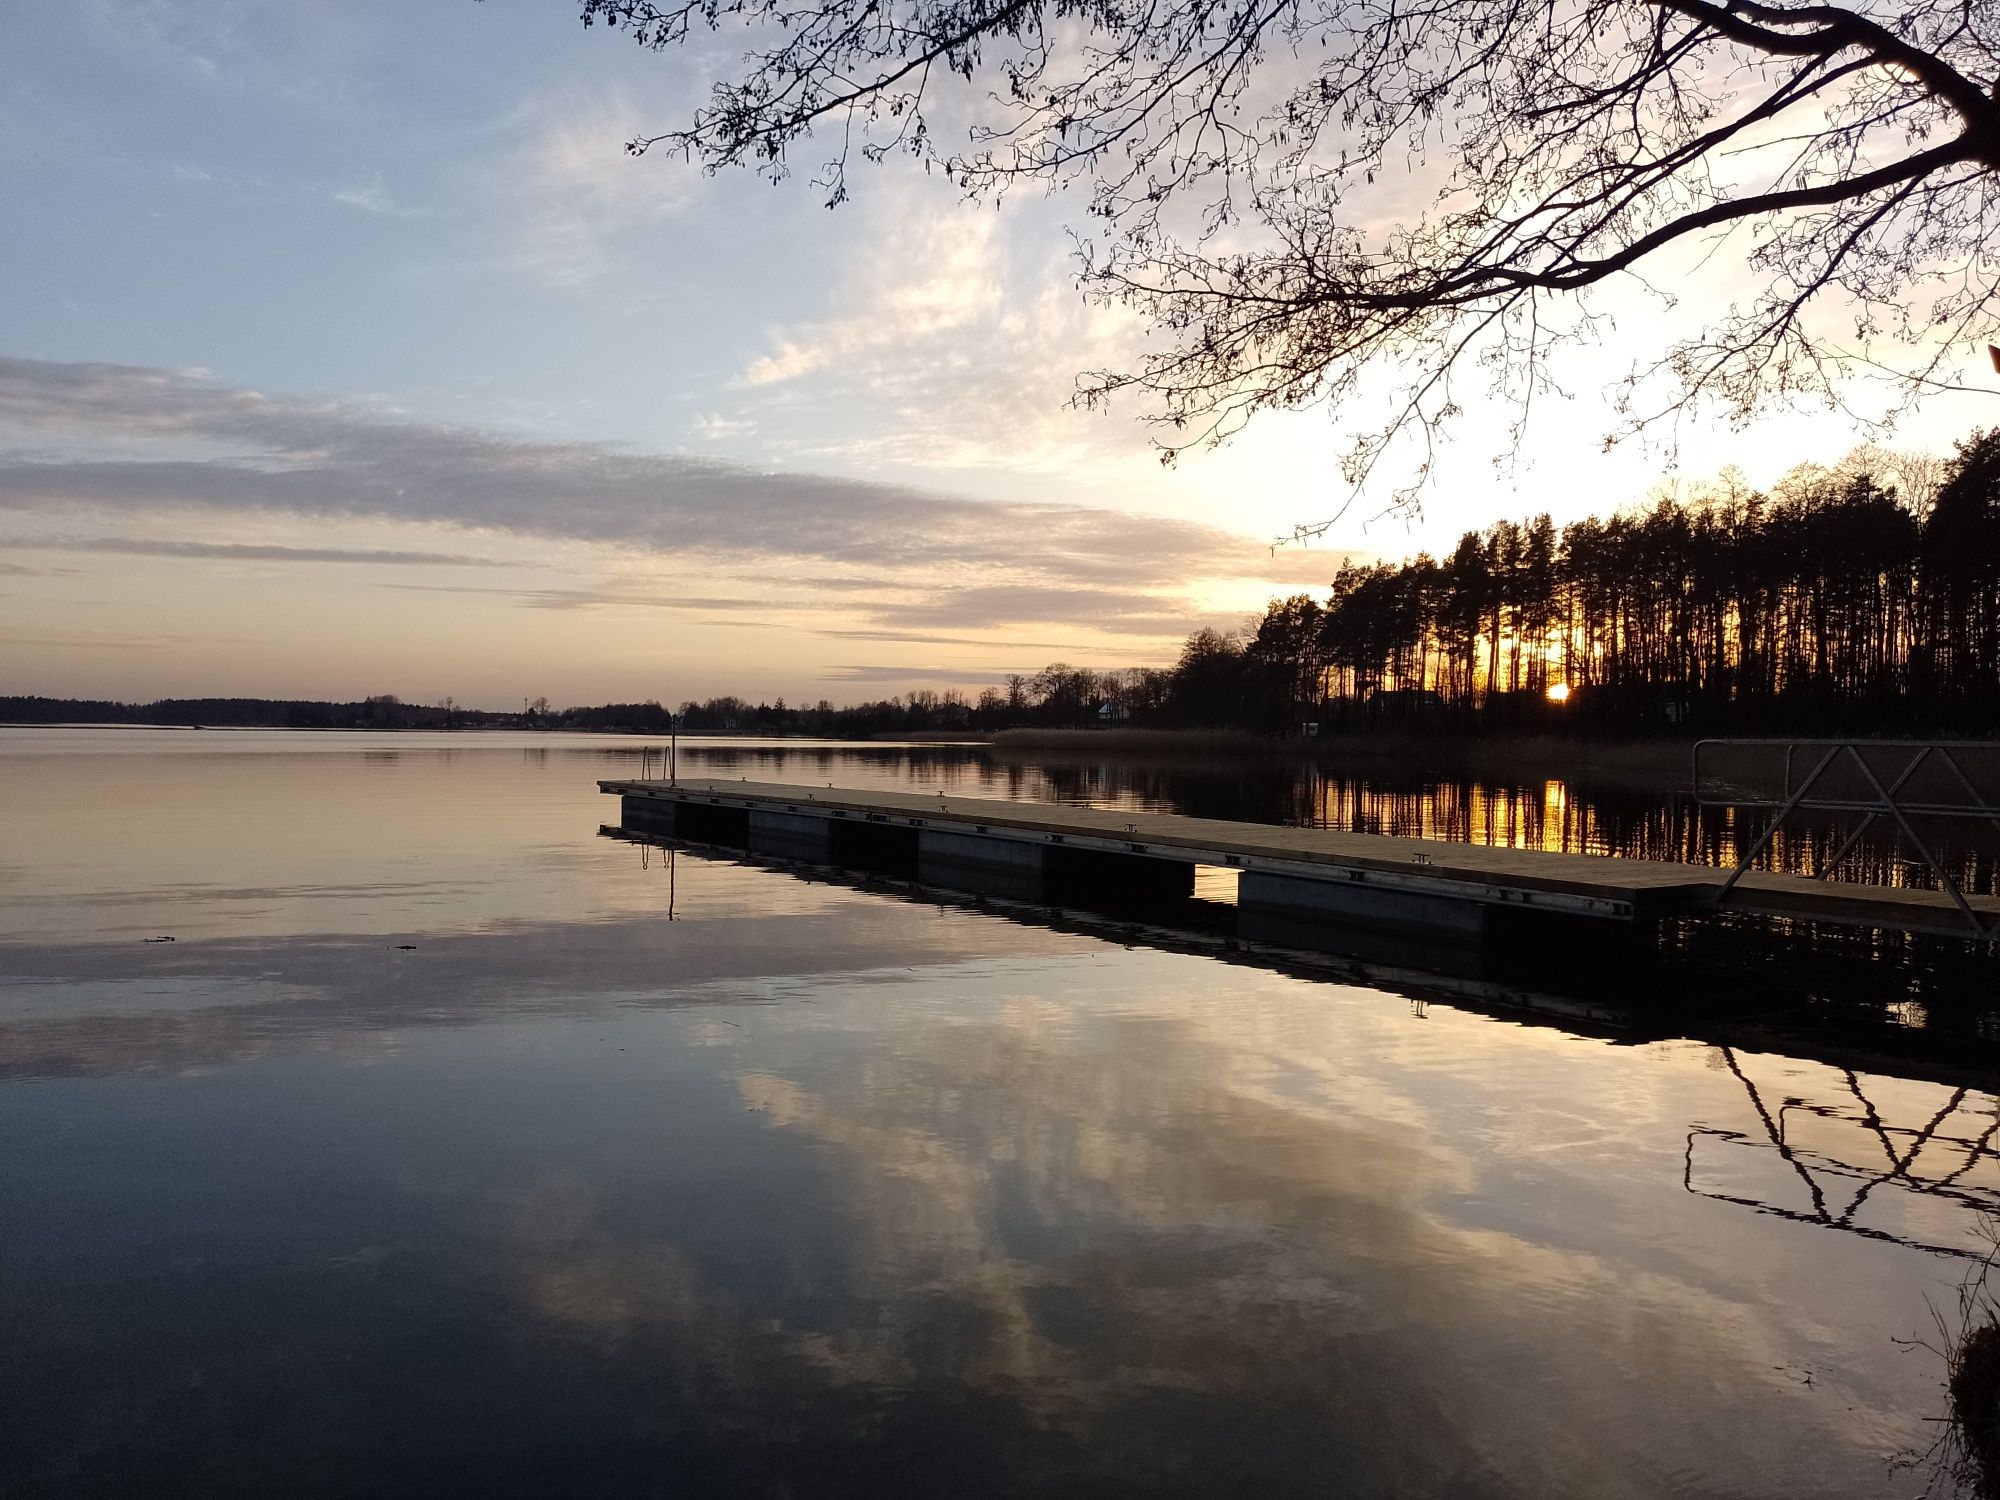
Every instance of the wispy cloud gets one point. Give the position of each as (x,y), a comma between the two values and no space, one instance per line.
(1123,612)
(126,443)
(966,347)
(564,599)
(946,277)
(580,202)
(370,197)
(255,552)
(1149,616)
(876,673)
(923,638)
(713,428)
(108,640)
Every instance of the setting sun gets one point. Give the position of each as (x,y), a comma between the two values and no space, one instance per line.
(1559,692)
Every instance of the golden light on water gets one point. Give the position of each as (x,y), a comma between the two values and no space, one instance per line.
(1559,692)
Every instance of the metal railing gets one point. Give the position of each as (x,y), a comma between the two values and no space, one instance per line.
(669,753)
(1901,781)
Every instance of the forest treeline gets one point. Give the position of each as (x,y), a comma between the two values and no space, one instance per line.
(1863,598)
(1859,599)
(385,711)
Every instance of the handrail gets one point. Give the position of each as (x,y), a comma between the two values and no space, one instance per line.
(1898,762)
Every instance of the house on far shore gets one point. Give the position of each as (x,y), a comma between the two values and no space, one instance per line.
(1112,713)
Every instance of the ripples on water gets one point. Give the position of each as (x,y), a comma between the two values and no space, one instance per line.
(432,1156)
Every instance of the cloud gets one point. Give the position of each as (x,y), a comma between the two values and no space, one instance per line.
(946,277)
(1139,615)
(580,199)
(973,607)
(564,599)
(128,441)
(248,552)
(956,676)
(713,428)
(368,197)
(966,345)
(1119,611)
(371,196)
(921,638)
(107,640)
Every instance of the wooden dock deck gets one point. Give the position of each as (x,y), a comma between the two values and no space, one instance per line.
(1451,889)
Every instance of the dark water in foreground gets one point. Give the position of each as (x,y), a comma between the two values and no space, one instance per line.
(431,1158)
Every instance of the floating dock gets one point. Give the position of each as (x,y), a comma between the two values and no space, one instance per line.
(1290,879)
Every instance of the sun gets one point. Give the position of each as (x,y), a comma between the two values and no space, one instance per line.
(1559,692)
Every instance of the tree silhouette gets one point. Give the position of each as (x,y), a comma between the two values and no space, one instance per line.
(1831,604)
(1284,664)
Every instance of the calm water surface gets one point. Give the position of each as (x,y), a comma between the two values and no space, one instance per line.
(431,1157)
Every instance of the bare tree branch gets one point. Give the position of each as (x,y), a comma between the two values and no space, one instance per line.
(1230,153)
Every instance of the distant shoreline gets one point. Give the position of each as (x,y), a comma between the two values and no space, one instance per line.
(646,734)
(296,728)
(1656,765)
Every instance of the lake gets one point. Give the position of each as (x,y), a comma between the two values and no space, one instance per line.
(451,1147)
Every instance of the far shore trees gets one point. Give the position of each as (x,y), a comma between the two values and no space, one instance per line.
(1839,602)
(1312,202)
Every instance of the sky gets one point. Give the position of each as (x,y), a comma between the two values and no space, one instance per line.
(343,350)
